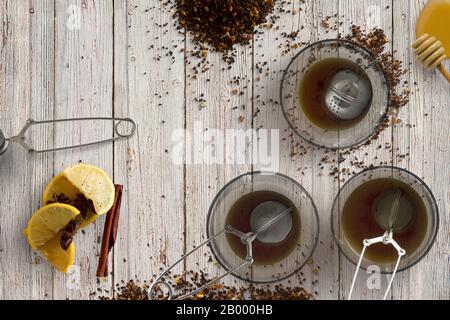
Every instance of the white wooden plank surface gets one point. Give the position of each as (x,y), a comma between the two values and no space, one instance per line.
(367,14)
(83,88)
(42,48)
(321,273)
(425,134)
(149,88)
(16,171)
(65,58)
(217,112)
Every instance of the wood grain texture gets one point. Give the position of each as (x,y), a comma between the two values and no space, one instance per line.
(424,134)
(368,15)
(215,103)
(83,88)
(149,87)
(70,58)
(42,106)
(297,159)
(16,257)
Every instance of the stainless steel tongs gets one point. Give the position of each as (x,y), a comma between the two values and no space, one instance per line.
(389,220)
(21,139)
(246,238)
(386,239)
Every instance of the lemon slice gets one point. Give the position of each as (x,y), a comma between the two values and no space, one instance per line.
(60,190)
(94,184)
(45,224)
(84,186)
(61,259)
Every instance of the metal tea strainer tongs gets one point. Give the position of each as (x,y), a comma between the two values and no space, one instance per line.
(21,139)
(393,213)
(246,238)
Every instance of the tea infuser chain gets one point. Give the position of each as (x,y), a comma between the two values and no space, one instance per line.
(21,139)
(246,238)
(386,239)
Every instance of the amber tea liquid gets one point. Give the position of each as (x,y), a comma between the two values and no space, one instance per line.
(358,220)
(313,87)
(239,218)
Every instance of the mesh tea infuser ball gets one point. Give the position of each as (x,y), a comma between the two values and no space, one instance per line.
(394,210)
(348,95)
(265,212)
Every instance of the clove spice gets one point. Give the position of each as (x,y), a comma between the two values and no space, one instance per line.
(67,234)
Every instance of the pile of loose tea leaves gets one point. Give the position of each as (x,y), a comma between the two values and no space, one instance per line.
(222,23)
(189,281)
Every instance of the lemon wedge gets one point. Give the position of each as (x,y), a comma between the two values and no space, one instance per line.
(61,259)
(84,186)
(44,234)
(94,184)
(45,224)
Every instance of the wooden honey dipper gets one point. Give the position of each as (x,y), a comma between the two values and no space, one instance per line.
(432,46)
(431,53)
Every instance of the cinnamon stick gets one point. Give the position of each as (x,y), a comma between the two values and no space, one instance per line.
(110,232)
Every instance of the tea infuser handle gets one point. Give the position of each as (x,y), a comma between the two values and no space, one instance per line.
(385,239)
(158,281)
(20,138)
(246,238)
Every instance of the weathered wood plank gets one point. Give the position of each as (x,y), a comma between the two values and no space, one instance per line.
(214,103)
(42,51)
(121,108)
(367,14)
(424,134)
(83,79)
(297,158)
(17,166)
(149,87)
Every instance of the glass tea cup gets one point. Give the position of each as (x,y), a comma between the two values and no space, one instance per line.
(297,116)
(305,212)
(351,218)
